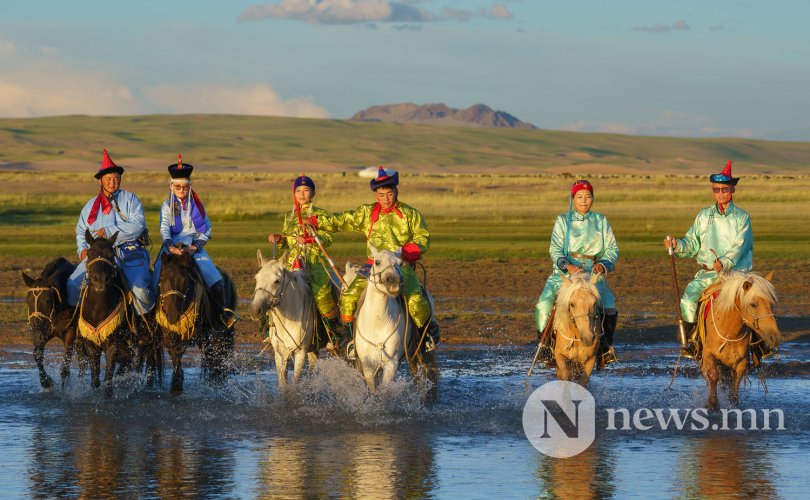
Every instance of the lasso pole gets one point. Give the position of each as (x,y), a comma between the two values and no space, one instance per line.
(681,327)
(314,235)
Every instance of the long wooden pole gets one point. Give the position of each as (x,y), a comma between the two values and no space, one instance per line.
(681,328)
(314,235)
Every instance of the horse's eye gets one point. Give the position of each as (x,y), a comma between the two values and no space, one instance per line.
(753,304)
(376,262)
(278,281)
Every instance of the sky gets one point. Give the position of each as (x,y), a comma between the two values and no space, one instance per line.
(687,68)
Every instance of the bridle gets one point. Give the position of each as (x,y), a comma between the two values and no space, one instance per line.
(377,276)
(755,325)
(36,292)
(104,261)
(183,296)
(572,319)
(278,296)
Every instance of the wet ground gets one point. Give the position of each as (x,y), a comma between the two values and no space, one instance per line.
(330,437)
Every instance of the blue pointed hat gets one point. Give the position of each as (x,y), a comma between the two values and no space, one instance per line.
(725,177)
(385,178)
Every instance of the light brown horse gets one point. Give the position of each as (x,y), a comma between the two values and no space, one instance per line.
(741,314)
(577,327)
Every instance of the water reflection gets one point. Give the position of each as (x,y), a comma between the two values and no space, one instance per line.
(584,476)
(726,466)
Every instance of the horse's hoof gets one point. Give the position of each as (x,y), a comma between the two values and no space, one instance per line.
(176,391)
(46,382)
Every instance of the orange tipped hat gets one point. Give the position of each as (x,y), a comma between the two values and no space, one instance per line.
(108,167)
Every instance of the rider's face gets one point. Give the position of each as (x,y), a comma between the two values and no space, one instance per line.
(583,200)
(110,182)
(722,193)
(386,197)
(180,190)
(303,195)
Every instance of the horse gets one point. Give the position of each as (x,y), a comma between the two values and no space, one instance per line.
(188,314)
(384,333)
(105,320)
(49,315)
(287,297)
(578,326)
(742,310)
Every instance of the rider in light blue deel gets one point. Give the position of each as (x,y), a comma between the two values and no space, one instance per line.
(115,211)
(581,241)
(185,227)
(720,239)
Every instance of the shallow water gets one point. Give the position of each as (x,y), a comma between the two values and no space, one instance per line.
(331,438)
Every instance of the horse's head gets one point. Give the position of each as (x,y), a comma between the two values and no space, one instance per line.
(386,272)
(42,299)
(270,284)
(176,284)
(753,296)
(579,307)
(100,261)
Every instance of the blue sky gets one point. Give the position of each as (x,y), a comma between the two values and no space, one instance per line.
(687,68)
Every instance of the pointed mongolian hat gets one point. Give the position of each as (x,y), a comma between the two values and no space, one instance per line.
(180,170)
(385,178)
(108,167)
(303,180)
(725,177)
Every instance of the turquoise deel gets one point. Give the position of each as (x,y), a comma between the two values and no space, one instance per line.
(726,237)
(129,224)
(589,234)
(188,235)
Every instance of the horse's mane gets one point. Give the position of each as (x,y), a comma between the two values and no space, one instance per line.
(579,281)
(733,290)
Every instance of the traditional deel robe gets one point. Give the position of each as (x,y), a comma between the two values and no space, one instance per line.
(307,256)
(590,241)
(123,214)
(714,235)
(400,227)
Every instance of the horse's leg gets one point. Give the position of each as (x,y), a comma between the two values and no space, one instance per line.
(712,375)
(111,354)
(39,353)
(389,372)
(563,372)
(176,349)
(95,365)
(281,368)
(588,369)
(736,376)
(70,345)
(369,373)
(299,359)
(312,358)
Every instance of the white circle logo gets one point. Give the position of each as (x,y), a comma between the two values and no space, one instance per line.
(559,419)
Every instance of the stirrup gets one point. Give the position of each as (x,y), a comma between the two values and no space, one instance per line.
(609,356)
(350,354)
(229,318)
(429,345)
(689,351)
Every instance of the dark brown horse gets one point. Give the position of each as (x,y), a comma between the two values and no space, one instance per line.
(104,315)
(49,315)
(189,315)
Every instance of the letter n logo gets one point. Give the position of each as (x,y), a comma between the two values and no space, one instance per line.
(559,419)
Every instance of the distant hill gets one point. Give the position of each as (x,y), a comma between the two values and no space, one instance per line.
(477,115)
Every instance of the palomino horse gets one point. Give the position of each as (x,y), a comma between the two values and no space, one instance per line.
(384,333)
(104,316)
(578,326)
(49,315)
(187,314)
(286,296)
(741,312)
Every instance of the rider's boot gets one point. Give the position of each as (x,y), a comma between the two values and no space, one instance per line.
(689,349)
(348,325)
(337,333)
(222,296)
(606,353)
(433,335)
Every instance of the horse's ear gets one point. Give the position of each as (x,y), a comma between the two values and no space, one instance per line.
(88,236)
(259,258)
(747,285)
(565,280)
(29,281)
(769,276)
(113,238)
(594,278)
(348,266)
(373,250)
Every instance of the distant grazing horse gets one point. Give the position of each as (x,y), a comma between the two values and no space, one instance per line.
(188,314)
(49,315)
(286,296)
(384,332)
(105,319)
(577,326)
(740,316)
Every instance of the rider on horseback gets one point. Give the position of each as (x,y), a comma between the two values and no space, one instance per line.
(721,240)
(390,225)
(304,253)
(580,241)
(185,227)
(115,211)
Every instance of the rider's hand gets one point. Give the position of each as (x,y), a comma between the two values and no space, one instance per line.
(572,269)
(300,239)
(669,242)
(191,249)
(599,269)
(718,266)
(274,239)
(175,251)
(84,254)
(101,233)
(308,222)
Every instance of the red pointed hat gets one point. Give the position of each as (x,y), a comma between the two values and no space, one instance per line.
(385,178)
(108,167)
(180,170)
(725,177)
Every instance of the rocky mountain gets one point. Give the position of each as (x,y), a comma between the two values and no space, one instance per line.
(477,115)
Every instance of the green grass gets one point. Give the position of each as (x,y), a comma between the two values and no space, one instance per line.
(469,216)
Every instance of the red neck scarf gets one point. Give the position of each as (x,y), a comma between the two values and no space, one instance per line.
(100,202)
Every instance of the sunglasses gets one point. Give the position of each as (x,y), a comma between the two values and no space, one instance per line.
(722,190)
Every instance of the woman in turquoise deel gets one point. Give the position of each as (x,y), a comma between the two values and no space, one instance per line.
(581,241)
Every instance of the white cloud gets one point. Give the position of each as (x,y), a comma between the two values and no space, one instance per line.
(243,100)
(679,25)
(338,11)
(500,11)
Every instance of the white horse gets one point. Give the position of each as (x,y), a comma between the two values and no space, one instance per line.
(383,330)
(285,295)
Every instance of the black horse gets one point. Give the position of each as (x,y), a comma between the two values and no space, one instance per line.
(190,315)
(104,315)
(49,315)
